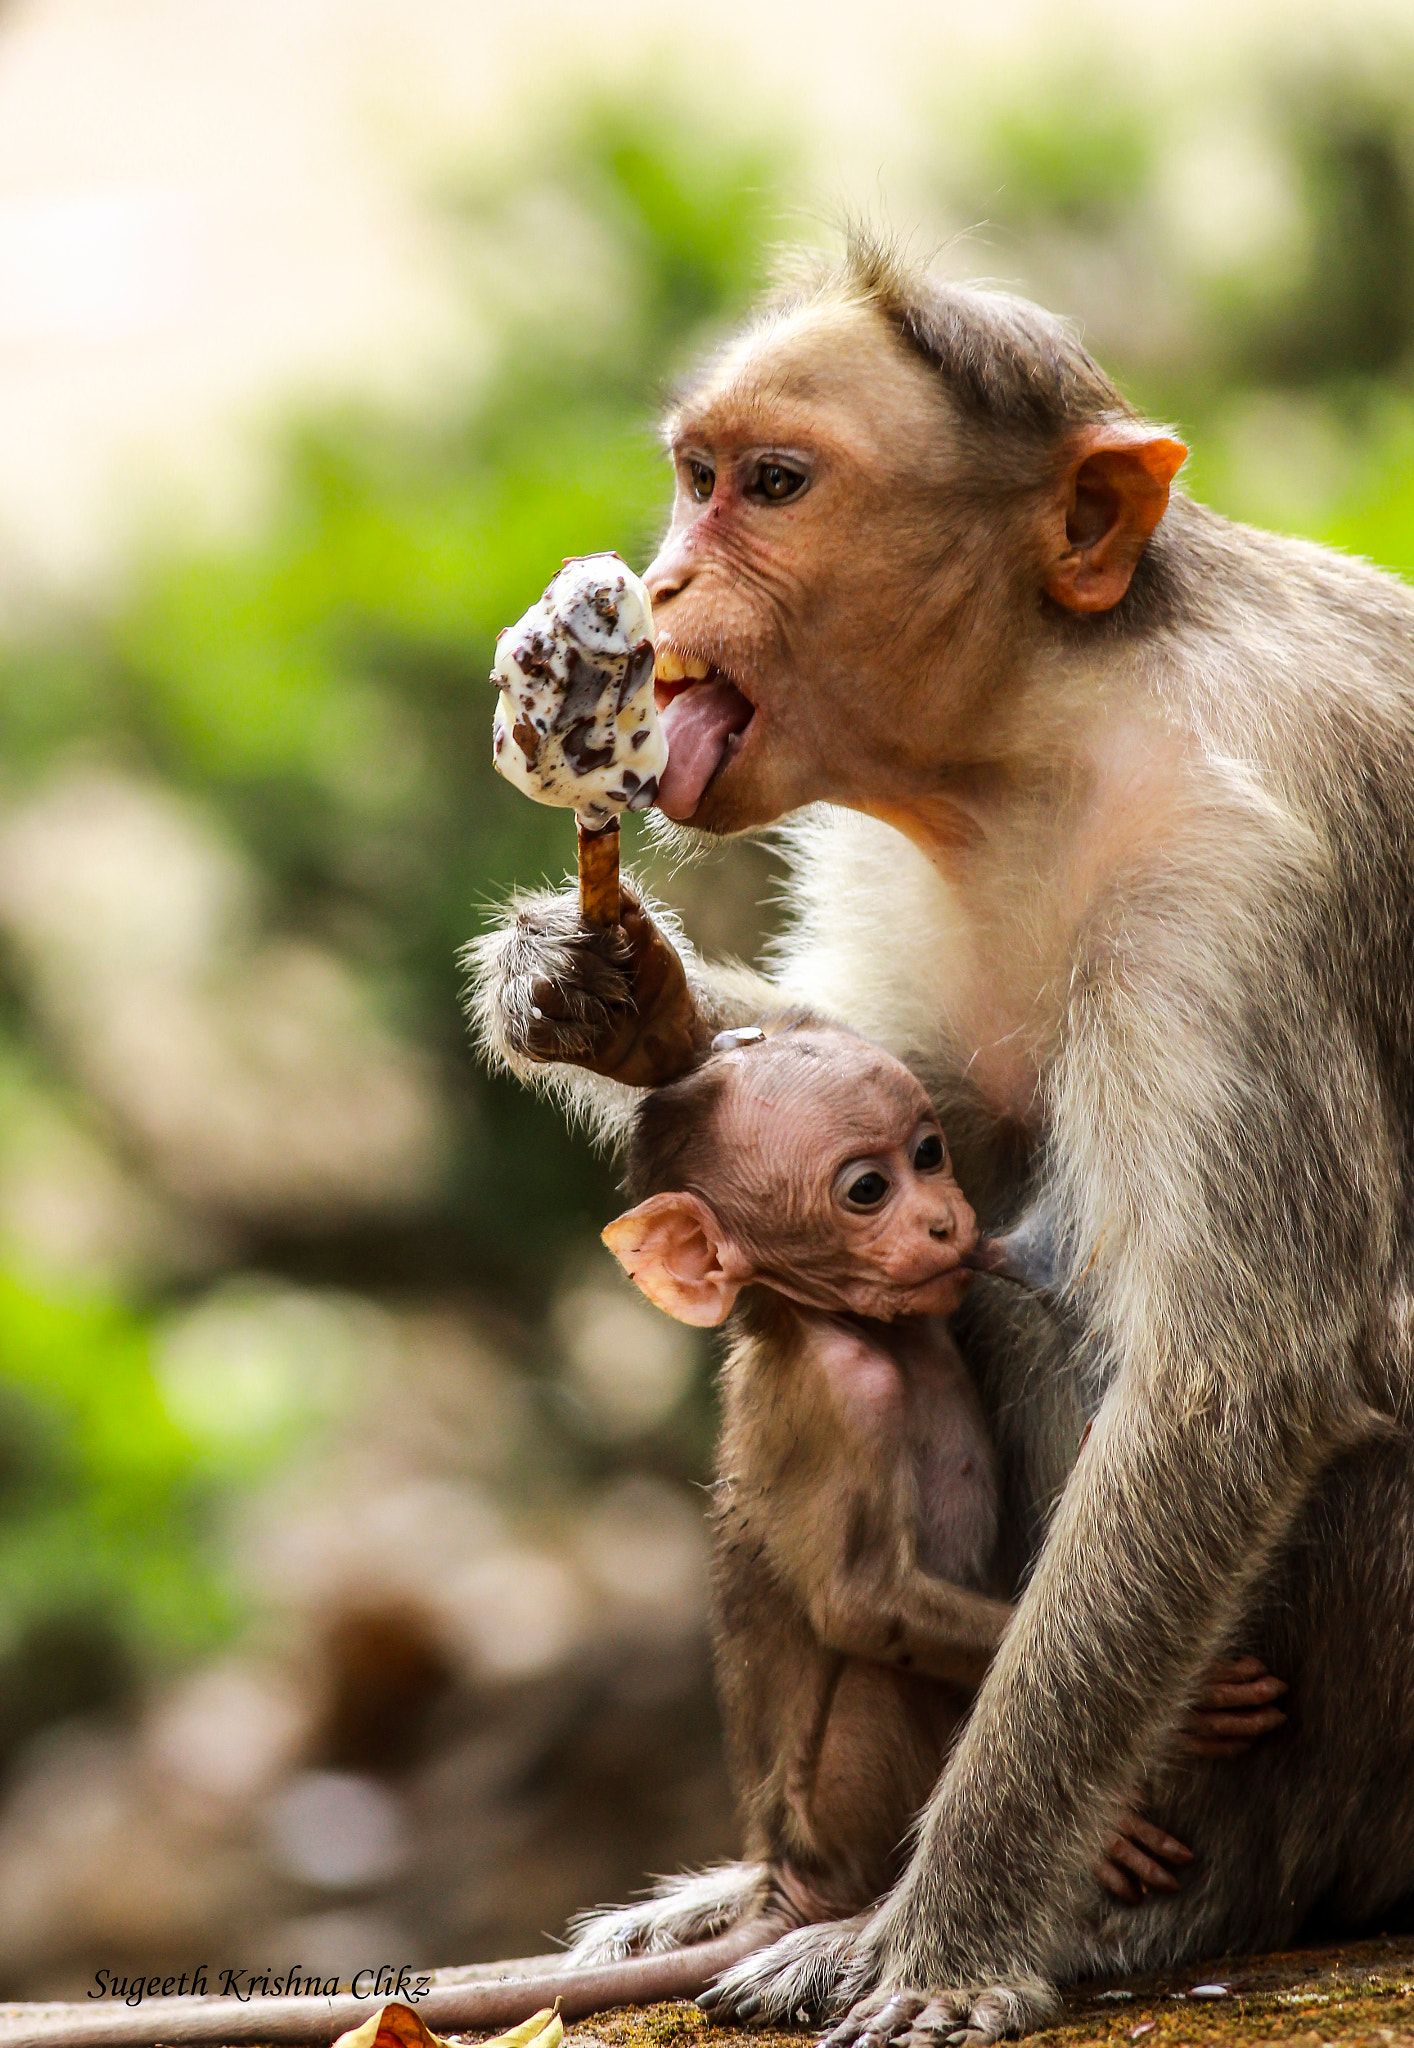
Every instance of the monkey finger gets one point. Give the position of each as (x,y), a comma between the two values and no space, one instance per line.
(548,1000)
(1224,1727)
(558,1043)
(1157,1840)
(987,2021)
(1235,1668)
(567,1004)
(1118,1882)
(938,2022)
(897,2016)
(944,2009)
(849,2030)
(843,2034)
(1130,1856)
(1242,1694)
(1200,1745)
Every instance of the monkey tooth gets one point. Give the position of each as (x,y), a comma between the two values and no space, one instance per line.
(672,667)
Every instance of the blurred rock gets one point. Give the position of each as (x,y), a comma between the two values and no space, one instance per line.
(337,1830)
(251,1075)
(449,1400)
(307,1544)
(103,878)
(229,1731)
(96,1862)
(643,1545)
(517,1613)
(339,1943)
(386,1671)
(71,1210)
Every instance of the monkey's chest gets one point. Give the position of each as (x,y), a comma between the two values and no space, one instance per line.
(956,1488)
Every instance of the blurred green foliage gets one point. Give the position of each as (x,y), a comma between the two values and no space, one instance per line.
(105,1513)
(324,688)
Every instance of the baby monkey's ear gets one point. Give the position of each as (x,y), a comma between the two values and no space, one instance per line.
(676,1251)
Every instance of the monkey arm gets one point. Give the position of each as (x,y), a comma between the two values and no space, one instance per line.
(1228,1299)
(1112,1631)
(916,1623)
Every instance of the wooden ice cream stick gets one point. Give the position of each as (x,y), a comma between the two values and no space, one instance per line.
(599,873)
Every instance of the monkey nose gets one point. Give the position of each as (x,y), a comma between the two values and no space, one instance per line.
(943,1230)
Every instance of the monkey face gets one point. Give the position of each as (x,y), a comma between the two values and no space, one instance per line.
(853,1205)
(806,522)
(825,1176)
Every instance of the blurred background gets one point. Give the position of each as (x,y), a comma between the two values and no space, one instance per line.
(351,1562)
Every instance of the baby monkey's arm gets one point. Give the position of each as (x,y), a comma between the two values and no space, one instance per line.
(946,1632)
(916,1623)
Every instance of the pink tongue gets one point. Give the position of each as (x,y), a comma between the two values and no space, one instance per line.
(697,725)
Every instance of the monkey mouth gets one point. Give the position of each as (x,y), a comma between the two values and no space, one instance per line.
(705,719)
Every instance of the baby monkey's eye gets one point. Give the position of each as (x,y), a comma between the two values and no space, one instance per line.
(867,1190)
(929,1155)
(703,479)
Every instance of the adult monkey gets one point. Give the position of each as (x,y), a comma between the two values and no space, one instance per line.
(1152,948)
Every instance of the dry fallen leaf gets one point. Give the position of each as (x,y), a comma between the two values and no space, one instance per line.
(399,2026)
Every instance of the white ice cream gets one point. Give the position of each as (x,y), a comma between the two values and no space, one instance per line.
(576,724)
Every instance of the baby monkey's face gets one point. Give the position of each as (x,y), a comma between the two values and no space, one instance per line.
(816,1168)
(836,1184)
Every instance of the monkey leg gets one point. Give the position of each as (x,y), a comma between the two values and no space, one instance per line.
(1315,1827)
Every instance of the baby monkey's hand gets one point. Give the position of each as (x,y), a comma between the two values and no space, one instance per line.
(1140,1857)
(1234,1709)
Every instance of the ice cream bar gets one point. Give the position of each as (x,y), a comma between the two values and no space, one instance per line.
(576,724)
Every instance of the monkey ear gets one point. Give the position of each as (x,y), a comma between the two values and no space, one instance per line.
(1114,490)
(673,1248)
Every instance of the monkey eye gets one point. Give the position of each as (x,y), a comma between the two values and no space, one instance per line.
(776,481)
(867,1190)
(928,1153)
(703,479)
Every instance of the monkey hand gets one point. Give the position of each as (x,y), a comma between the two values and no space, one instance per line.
(1139,1858)
(1234,1709)
(854,1968)
(548,987)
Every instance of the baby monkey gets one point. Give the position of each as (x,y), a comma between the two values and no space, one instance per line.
(803,1181)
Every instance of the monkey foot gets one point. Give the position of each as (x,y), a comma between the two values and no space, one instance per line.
(804,1974)
(930,2019)
(818,1970)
